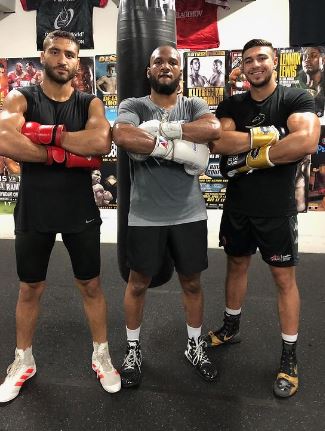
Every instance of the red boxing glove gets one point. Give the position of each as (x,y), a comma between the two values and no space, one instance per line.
(43,135)
(74,161)
(55,154)
(59,155)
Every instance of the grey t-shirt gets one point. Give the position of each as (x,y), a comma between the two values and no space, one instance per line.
(162,193)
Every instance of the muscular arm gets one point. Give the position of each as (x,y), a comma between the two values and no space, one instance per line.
(133,139)
(95,139)
(303,137)
(202,130)
(231,141)
(12,143)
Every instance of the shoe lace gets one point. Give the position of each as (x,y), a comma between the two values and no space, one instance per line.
(132,358)
(14,367)
(199,354)
(105,361)
(288,362)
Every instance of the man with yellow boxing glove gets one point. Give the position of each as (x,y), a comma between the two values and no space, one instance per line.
(270,126)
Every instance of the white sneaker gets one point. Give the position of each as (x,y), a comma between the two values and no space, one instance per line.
(102,365)
(22,369)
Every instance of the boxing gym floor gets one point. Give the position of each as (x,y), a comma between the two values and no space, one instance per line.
(65,395)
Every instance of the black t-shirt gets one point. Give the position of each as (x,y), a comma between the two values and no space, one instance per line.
(75,16)
(55,198)
(264,192)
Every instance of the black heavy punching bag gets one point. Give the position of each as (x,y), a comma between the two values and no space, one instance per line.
(142,26)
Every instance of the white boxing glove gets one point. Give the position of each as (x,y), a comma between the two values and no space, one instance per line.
(164,149)
(171,130)
(151,127)
(195,157)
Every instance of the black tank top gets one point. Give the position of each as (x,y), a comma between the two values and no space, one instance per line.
(55,198)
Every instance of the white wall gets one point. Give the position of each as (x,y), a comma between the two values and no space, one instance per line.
(267,19)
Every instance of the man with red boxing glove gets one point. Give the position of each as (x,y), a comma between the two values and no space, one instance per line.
(266,132)
(59,134)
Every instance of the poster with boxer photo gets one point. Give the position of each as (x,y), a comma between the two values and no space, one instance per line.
(236,80)
(4,88)
(316,201)
(204,73)
(106,192)
(106,83)
(23,72)
(104,181)
(212,184)
(304,68)
(84,79)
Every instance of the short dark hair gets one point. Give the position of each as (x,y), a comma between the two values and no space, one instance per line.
(30,63)
(218,61)
(257,42)
(60,34)
(194,58)
(320,49)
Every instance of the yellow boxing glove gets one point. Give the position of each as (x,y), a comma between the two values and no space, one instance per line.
(258,158)
(261,136)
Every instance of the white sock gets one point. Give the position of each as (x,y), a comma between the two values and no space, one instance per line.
(193,332)
(100,346)
(232,312)
(25,354)
(289,338)
(133,334)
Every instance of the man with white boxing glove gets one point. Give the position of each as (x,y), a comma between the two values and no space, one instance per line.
(165,135)
(170,146)
(266,132)
(58,134)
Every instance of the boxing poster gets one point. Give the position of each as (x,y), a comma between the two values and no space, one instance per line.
(104,180)
(4,88)
(204,73)
(23,72)
(84,79)
(316,201)
(106,82)
(304,68)
(106,90)
(213,185)
(236,82)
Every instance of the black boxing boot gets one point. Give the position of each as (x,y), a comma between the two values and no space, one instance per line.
(131,368)
(227,334)
(196,354)
(286,383)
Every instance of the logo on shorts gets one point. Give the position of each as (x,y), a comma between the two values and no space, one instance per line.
(89,221)
(280,258)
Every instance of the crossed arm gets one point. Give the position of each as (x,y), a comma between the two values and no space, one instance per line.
(304,132)
(134,139)
(94,140)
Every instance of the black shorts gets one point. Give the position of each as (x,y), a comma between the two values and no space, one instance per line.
(147,247)
(33,250)
(276,237)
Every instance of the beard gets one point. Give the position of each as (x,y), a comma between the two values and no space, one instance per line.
(260,83)
(166,89)
(59,79)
